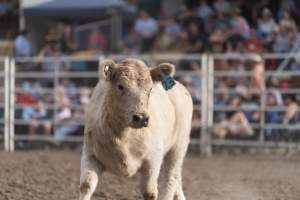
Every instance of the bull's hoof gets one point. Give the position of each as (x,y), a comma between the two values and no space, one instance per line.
(84,187)
(150,196)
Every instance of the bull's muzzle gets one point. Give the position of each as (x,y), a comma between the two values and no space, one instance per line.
(140,120)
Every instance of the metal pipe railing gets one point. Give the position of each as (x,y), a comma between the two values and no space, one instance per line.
(7,106)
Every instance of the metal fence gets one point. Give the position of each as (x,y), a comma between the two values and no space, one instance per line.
(230,94)
(52,88)
(50,95)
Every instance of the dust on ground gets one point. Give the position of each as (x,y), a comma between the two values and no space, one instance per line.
(35,175)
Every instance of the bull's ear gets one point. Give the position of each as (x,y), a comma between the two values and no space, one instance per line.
(107,68)
(163,69)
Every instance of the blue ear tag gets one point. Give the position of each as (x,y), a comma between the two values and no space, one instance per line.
(168,82)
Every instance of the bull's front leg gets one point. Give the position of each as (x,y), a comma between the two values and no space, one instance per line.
(90,173)
(149,178)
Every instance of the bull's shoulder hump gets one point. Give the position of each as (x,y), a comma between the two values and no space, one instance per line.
(180,96)
(179,90)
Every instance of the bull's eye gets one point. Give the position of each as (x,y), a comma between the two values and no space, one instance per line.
(120,87)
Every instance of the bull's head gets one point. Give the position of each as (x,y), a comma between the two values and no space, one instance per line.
(129,85)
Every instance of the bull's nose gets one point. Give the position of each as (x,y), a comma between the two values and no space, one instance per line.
(137,118)
(145,121)
(141,120)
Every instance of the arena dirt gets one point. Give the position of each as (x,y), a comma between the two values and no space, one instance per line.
(54,176)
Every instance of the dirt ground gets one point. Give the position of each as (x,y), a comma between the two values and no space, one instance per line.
(33,175)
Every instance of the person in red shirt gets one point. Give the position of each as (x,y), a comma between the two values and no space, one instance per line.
(97,41)
(253,44)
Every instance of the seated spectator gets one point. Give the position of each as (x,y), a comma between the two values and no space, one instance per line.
(272,117)
(64,115)
(196,39)
(204,10)
(253,44)
(189,84)
(222,6)
(72,120)
(68,43)
(69,88)
(172,27)
(266,24)
(70,127)
(286,20)
(236,122)
(84,98)
(167,38)
(7,45)
(146,28)
(97,41)
(282,39)
(294,39)
(291,116)
(36,116)
(23,47)
(33,87)
(132,43)
(220,20)
(217,39)
(295,66)
(53,49)
(239,24)
(25,97)
(61,98)
(64,110)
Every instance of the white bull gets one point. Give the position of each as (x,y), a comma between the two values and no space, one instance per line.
(133,124)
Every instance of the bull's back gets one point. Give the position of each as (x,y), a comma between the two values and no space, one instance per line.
(172,111)
(183,106)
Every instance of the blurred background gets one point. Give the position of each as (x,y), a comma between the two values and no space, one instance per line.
(238,58)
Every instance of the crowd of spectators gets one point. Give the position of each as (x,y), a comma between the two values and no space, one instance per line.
(217,26)
(252,99)
(189,27)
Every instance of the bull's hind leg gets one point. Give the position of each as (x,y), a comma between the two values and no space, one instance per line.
(173,169)
(90,173)
(179,194)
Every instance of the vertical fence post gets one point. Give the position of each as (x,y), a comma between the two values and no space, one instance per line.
(203,136)
(210,103)
(263,98)
(55,87)
(6,104)
(12,105)
(101,58)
